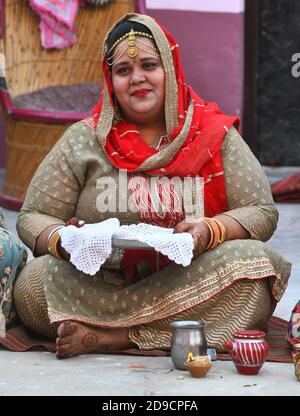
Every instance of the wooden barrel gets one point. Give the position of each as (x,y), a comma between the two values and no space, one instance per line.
(27,143)
(29,68)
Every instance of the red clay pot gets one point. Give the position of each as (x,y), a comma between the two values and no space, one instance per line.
(248,350)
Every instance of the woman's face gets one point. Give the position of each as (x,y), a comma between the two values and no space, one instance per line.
(139,83)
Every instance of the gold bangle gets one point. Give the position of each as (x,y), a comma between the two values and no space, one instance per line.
(53,241)
(223,231)
(216,234)
(206,221)
(217,230)
(53,231)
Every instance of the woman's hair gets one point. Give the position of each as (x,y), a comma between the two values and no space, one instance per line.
(121,28)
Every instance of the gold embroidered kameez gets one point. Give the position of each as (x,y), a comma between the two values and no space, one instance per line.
(233,286)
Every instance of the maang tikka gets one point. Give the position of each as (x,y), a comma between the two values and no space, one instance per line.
(132,49)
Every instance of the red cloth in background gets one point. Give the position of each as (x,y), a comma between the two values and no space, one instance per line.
(287,189)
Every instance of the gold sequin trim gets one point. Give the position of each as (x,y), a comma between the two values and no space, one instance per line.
(106,118)
(183,298)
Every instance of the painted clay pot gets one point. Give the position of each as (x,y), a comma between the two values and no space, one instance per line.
(248,350)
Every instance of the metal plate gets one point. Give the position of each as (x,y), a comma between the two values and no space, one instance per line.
(130,244)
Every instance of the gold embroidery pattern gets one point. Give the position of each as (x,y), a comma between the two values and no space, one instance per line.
(246,304)
(183,298)
(106,118)
(250,199)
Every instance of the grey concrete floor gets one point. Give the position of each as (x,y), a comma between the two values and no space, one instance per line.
(42,374)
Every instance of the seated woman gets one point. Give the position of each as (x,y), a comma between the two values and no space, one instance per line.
(149,123)
(13,256)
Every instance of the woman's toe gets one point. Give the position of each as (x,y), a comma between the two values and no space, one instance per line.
(63,351)
(63,340)
(66,328)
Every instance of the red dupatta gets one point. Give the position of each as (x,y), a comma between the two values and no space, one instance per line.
(199,153)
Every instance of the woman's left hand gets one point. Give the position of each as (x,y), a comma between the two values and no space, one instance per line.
(200,233)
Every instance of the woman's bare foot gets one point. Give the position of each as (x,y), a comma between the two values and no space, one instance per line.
(75,339)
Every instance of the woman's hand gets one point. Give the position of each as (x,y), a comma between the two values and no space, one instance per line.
(77,223)
(200,233)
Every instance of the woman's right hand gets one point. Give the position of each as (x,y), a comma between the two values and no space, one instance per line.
(77,223)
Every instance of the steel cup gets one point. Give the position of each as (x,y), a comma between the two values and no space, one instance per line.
(187,336)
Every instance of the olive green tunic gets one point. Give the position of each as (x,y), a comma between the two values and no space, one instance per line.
(234,286)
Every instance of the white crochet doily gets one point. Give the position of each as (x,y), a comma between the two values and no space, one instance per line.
(90,245)
(178,247)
